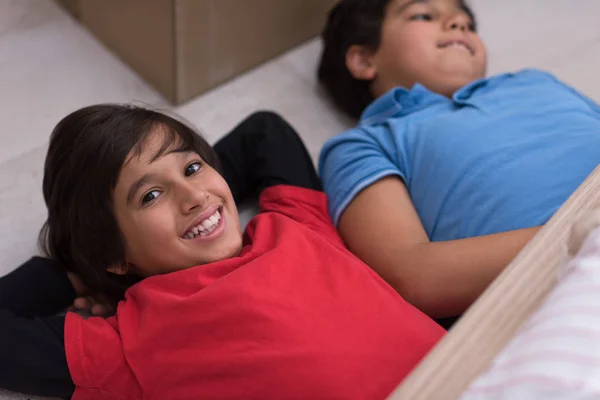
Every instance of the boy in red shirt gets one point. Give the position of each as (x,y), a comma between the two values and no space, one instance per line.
(138,210)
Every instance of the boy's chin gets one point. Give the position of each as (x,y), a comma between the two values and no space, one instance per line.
(231,248)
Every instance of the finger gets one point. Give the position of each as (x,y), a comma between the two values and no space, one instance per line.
(100,310)
(82,303)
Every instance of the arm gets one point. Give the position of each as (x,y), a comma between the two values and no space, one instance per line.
(264,151)
(32,356)
(442,279)
(39,288)
(32,352)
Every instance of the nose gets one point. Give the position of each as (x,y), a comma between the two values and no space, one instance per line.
(458,21)
(191,197)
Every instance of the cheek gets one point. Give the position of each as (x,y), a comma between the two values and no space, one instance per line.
(216,184)
(482,53)
(221,189)
(408,44)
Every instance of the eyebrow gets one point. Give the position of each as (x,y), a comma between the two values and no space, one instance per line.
(402,8)
(133,189)
(165,152)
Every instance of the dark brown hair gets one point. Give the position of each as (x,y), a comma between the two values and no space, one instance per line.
(353,22)
(87,151)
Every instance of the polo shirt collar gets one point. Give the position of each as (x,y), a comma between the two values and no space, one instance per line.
(399,102)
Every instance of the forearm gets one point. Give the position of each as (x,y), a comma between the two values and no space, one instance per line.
(32,356)
(37,288)
(382,227)
(264,151)
(32,352)
(445,278)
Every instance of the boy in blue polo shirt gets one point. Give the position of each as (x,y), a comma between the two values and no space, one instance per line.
(448,174)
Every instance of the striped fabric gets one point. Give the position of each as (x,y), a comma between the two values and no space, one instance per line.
(556,355)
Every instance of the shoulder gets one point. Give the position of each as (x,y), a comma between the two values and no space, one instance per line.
(533,88)
(529,76)
(542,86)
(353,138)
(357,143)
(304,206)
(354,160)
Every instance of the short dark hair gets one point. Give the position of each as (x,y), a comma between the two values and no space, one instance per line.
(87,151)
(353,22)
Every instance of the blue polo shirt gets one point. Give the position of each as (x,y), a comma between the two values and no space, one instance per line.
(503,153)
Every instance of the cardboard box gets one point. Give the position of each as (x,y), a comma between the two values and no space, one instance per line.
(185,47)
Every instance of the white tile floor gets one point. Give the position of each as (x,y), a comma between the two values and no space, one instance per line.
(50,66)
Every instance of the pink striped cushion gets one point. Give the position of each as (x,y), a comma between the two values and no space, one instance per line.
(556,355)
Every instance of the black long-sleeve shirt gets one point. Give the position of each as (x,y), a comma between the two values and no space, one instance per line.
(32,350)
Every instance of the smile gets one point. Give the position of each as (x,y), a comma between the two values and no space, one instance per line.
(206,227)
(458,43)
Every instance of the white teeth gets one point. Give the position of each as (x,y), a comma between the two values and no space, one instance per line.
(459,44)
(208,231)
(206,227)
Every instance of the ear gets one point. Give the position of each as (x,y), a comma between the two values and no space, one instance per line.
(360,63)
(118,269)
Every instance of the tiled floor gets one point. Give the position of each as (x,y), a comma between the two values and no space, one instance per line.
(50,66)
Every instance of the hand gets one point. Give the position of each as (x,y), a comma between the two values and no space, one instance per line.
(96,305)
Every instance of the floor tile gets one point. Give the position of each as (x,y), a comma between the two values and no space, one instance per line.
(52,69)
(534,33)
(305,59)
(22,209)
(276,86)
(581,70)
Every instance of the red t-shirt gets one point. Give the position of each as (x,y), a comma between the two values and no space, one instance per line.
(295,316)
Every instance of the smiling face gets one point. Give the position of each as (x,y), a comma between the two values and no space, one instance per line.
(431,42)
(174,211)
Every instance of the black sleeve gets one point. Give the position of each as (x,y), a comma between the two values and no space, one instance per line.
(32,356)
(263,151)
(37,288)
(32,350)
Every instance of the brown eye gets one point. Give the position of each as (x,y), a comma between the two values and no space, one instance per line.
(192,168)
(150,196)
